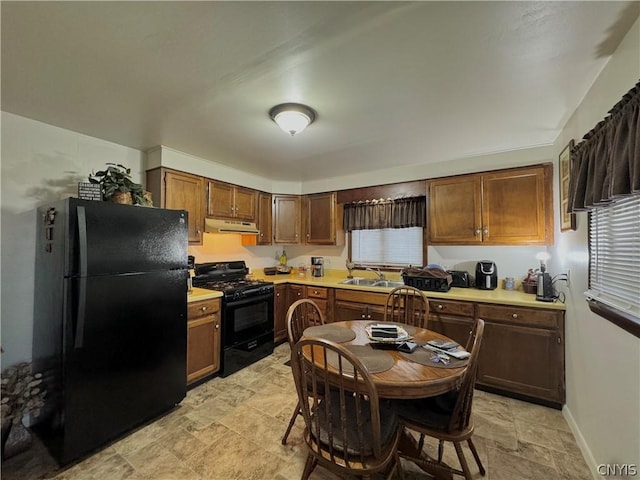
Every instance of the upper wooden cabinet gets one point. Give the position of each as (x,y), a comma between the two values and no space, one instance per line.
(179,191)
(507,207)
(225,200)
(286,219)
(264,219)
(322,214)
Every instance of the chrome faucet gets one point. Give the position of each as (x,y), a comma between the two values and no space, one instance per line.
(377,272)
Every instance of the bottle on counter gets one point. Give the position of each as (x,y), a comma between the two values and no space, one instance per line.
(283,258)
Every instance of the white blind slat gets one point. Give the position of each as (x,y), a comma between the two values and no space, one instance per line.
(614,251)
(388,246)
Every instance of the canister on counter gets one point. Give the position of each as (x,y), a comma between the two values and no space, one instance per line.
(509,283)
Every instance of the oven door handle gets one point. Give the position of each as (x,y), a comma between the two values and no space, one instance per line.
(249,300)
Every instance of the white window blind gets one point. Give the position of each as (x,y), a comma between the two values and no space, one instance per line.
(389,246)
(614,251)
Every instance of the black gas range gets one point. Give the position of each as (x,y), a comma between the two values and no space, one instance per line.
(247,312)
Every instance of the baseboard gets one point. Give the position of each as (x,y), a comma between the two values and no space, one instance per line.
(582,444)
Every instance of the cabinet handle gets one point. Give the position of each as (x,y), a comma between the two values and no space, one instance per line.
(203,308)
(440,306)
(515,315)
(478,232)
(559,340)
(485,232)
(299,293)
(217,325)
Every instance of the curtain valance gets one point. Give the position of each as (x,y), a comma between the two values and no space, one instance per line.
(378,214)
(606,163)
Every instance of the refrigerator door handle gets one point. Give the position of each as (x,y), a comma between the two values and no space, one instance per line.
(82,287)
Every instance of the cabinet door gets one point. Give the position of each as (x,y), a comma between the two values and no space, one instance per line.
(455,211)
(186,192)
(280,313)
(220,200)
(286,219)
(245,204)
(203,339)
(294,293)
(264,218)
(514,207)
(522,360)
(344,311)
(320,219)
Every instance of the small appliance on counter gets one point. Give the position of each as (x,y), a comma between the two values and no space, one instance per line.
(317,266)
(460,278)
(544,292)
(486,275)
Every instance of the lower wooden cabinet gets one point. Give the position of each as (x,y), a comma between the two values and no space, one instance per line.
(321,297)
(203,339)
(523,352)
(358,305)
(280,307)
(452,319)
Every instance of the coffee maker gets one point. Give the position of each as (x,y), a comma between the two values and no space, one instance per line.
(544,292)
(317,266)
(486,275)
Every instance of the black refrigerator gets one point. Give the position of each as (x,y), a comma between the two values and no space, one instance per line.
(110,320)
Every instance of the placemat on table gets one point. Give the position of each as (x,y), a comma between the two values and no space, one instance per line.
(375,361)
(423,356)
(334,333)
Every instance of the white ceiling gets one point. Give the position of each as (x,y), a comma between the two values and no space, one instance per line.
(393,83)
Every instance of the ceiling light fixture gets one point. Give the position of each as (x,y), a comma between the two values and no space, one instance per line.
(292,117)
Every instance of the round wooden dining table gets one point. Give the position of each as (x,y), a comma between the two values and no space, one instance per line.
(405,379)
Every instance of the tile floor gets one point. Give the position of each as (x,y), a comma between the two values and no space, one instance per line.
(230,428)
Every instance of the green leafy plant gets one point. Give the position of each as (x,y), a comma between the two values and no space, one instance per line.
(117,178)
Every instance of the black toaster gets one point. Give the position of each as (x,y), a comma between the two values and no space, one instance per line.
(460,278)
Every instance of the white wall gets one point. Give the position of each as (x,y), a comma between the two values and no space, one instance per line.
(602,360)
(40,163)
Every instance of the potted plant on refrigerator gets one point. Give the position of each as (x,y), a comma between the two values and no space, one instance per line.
(22,395)
(118,187)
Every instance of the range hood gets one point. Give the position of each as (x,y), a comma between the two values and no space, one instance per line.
(214,225)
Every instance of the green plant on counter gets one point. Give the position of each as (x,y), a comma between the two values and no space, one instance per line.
(117,178)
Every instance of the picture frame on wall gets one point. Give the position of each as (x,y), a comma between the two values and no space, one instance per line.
(567,220)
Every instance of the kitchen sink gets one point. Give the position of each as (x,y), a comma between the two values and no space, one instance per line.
(370,282)
(387,283)
(359,281)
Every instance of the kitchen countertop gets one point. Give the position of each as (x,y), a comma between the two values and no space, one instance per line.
(333,278)
(202,294)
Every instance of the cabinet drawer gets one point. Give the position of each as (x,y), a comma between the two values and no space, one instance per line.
(531,317)
(317,292)
(463,309)
(368,298)
(203,308)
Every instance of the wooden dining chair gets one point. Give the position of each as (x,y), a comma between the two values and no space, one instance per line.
(301,314)
(447,417)
(407,305)
(346,430)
